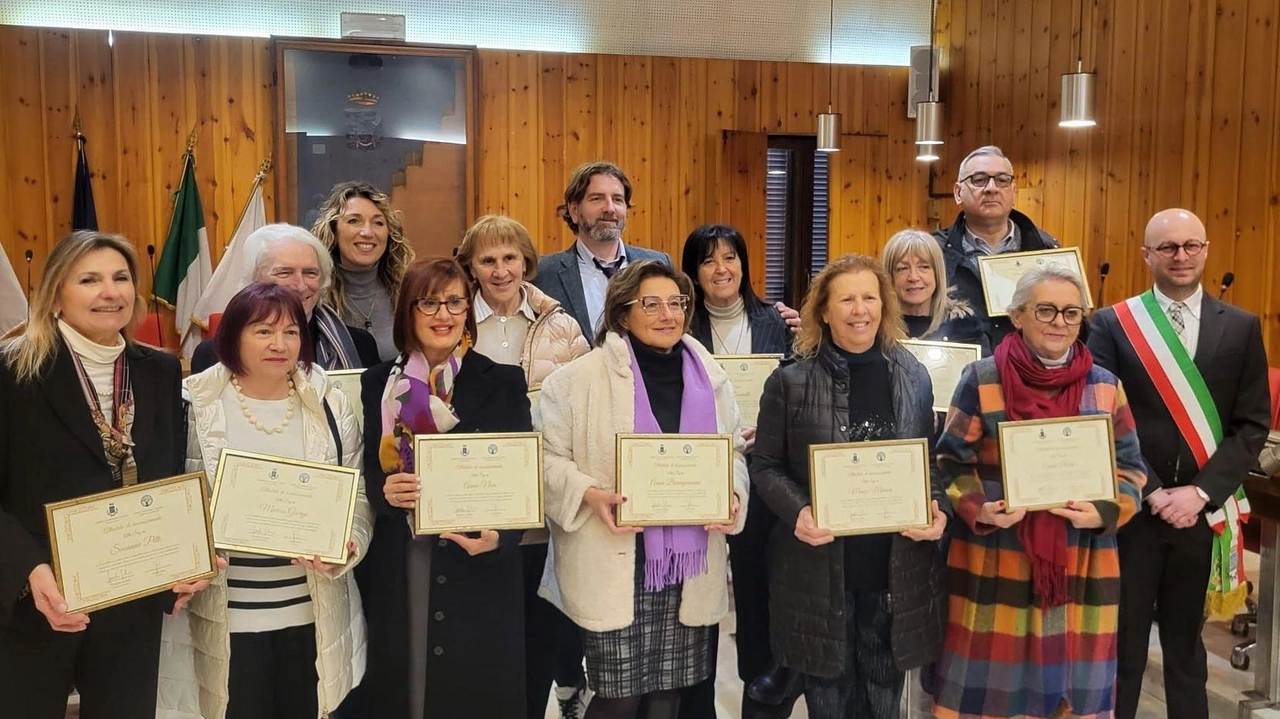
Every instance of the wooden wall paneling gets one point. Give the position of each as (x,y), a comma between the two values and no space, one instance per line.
(57,82)
(524,132)
(20,93)
(582,132)
(743,186)
(875,91)
(610,111)
(1041,95)
(237,165)
(212,169)
(494,138)
(1198,103)
(1223,160)
(665,227)
(1175,60)
(262,133)
(1271,309)
(96,76)
(725,83)
(851,98)
(1010,112)
(901,178)
(636,148)
(543,224)
(799,100)
(1056,144)
(132,140)
(988,20)
(749,83)
(693,111)
(773,97)
(170,127)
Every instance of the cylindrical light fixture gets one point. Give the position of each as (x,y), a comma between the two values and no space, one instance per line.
(927,153)
(929,123)
(1077,99)
(829,131)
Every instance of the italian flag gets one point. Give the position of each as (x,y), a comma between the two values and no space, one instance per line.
(185,267)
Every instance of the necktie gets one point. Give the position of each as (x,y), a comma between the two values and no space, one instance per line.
(1178,322)
(609,269)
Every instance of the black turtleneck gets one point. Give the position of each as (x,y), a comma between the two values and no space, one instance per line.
(917,325)
(663,381)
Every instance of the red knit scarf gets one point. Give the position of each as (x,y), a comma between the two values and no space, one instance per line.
(1033,391)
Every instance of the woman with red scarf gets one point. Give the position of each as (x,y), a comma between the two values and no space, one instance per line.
(1034,595)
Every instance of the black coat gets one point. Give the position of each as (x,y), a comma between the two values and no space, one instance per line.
(476,602)
(51,451)
(804,404)
(205,356)
(769,332)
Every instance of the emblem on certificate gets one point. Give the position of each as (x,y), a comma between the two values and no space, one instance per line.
(747,374)
(348,382)
(1048,462)
(675,479)
(870,487)
(283,507)
(117,546)
(945,361)
(477,481)
(1000,274)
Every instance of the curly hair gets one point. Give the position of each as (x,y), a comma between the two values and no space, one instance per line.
(393,263)
(813,331)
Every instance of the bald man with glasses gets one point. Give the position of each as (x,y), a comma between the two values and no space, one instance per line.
(987,225)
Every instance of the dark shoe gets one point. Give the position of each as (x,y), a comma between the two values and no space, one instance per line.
(775,686)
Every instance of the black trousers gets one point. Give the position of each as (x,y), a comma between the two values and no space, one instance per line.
(273,675)
(1163,575)
(552,642)
(113,663)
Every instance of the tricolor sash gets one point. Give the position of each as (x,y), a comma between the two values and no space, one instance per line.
(1183,390)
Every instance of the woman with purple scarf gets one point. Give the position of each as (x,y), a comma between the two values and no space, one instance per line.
(648,599)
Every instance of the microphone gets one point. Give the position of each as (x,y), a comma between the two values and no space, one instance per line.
(155,309)
(29,255)
(1103,270)
(1227,279)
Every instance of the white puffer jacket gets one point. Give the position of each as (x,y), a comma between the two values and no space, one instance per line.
(196,646)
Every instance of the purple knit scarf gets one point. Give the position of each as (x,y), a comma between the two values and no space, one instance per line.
(673,554)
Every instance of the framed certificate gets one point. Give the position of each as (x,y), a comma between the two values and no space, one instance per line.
(870,487)
(128,543)
(1000,274)
(675,479)
(283,507)
(747,374)
(1048,462)
(348,382)
(477,481)
(944,361)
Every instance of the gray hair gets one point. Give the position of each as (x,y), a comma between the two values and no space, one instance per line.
(984,151)
(1040,275)
(260,246)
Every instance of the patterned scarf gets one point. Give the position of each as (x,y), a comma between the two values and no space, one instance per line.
(673,554)
(117,431)
(334,347)
(418,399)
(1033,391)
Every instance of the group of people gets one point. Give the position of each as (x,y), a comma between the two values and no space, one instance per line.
(1009,613)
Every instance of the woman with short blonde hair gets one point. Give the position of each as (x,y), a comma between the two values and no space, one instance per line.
(930,309)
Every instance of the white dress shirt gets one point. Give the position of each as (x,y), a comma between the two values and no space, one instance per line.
(1190,316)
(499,338)
(594,283)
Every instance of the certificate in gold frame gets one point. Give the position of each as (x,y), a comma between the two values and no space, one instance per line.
(682,445)
(1003,271)
(348,382)
(940,359)
(1098,466)
(486,445)
(923,509)
(746,362)
(234,455)
(58,522)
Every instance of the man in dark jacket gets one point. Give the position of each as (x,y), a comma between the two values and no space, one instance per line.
(987,225)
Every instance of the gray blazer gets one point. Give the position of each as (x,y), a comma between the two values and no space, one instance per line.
(558,276)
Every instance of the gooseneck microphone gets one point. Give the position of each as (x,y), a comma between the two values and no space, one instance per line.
(1103,271)
(1227,279)
(29,255)
(155,308)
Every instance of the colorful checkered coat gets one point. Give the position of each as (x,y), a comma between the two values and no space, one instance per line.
(1005,656)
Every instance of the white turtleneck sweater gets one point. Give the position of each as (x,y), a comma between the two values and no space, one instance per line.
(98,361)
(730,331)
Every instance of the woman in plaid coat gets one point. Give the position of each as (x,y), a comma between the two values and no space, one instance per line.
(1034,601)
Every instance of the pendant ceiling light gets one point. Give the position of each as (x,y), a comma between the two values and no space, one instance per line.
(829,121)
(1078,88)
(929,112)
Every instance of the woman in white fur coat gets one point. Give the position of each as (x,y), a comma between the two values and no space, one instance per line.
(646,600)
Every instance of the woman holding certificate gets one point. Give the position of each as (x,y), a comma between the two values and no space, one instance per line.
(1035,594)
(281,619)
(647,599)
(849,615)
(83,409)
(929,310)
(445,611)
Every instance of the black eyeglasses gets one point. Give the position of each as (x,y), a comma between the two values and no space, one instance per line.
(980,180)
(1071,314)
(429,306)
(651,304)
(1169,250)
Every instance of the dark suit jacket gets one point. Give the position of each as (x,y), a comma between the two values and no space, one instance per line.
(1230,356)
(558,276)
(769,332)
(51,451)
(477,606)
(205,357)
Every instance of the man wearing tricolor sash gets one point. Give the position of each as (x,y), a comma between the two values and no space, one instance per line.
(1195,372)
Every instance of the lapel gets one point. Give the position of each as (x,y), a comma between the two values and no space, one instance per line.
(143,378)
(1211,327)
(571,281)
(61,387)
(471,390)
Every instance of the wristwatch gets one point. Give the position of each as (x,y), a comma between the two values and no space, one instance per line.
(1203,495)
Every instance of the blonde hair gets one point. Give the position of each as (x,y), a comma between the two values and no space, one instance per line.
(394,261)
(813,331)
(922,245)
(30,352)
(625,286)
(495,231)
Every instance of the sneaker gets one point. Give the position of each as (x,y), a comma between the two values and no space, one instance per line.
(573,701)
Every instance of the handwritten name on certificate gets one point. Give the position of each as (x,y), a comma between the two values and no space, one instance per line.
(747,374)
(116,546)
(348,382)
(945,362)
(283,507)
(675,479)
(1000,273)
(870,487)
(1049,462)
(478,481)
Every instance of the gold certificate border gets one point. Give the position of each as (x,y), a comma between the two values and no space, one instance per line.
(709,439)
(343,372)
(923,444)
(762,356)
(472,437)
(947,347)
(353,473)
(1087,419)
(53,508)
(983,260)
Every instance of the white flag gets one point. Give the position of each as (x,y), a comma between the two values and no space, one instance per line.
(13,302)
(229,275)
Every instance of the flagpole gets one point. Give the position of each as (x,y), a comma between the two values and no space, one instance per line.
(263,169)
